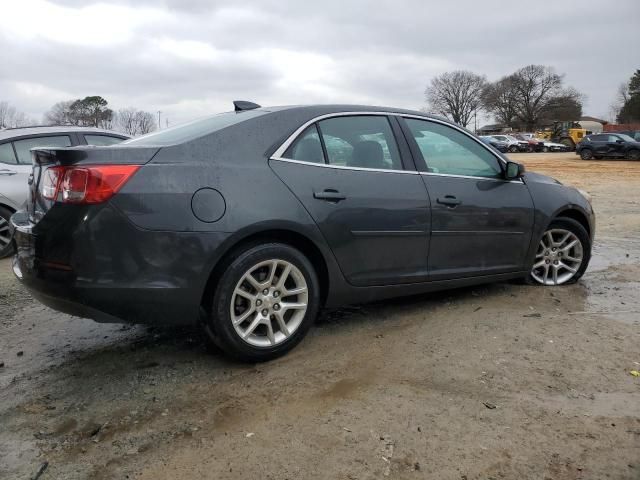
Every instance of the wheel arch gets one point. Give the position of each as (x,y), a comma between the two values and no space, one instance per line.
(577,215)
(286,236)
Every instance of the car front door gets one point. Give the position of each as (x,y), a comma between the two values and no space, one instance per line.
(615,145)
(373,211)
(600,145)
(480,223)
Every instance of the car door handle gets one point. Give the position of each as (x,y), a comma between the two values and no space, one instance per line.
(330,195)
(6,172)
(449,201)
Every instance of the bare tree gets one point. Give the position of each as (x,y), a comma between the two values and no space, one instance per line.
(501,99)
(536,86)
(135,122)
(456,95)
(147,122)
(12,118)
(532,96)
(60,114)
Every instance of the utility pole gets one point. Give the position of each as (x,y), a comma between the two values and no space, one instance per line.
(159,124)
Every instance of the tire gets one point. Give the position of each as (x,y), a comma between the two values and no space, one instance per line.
(633,154)
(545,149)
(586,154)
(266,330)
(513,149)
(6,246)
(543,262)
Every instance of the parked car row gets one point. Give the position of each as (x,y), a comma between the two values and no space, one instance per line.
(522,142)
(15,163)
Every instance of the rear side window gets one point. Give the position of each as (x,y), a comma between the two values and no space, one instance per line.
(307,147)
(360,141)
(23,146)
(6,153)
(449,151)
(599,138)
(102,140)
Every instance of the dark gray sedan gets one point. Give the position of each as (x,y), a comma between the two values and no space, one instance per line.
(250,221)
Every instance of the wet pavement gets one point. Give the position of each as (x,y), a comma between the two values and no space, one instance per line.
(498,381)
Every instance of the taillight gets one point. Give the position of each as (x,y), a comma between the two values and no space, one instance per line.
(93,184)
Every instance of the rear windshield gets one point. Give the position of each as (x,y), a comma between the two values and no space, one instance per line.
(192,130)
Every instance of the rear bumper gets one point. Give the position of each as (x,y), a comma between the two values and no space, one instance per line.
(132,278)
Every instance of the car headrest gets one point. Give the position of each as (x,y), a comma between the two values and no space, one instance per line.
(367,154)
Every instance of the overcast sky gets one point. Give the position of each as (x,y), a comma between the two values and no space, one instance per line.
(190,58)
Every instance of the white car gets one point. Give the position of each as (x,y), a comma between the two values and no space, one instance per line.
(15,163)
(554,147)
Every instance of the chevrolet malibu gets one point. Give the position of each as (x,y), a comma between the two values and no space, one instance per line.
(249,222)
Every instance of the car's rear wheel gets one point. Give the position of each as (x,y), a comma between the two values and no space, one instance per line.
(6,247)
(586,154)
(563,254)
(633,154)
(266,301)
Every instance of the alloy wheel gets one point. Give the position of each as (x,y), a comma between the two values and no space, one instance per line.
(269,303)
(5,234)
(559,257)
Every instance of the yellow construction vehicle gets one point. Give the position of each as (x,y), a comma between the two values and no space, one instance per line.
(567,133)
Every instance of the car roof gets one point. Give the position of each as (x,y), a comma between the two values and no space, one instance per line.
(46,130)
(321,109)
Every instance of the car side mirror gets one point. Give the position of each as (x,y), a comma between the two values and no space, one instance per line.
(514,170)
(619,141)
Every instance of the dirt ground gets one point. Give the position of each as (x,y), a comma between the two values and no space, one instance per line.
(496,382)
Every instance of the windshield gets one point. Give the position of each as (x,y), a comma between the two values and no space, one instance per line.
(195,129)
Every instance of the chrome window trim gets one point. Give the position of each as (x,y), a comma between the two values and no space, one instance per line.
(344,167)
(278,154)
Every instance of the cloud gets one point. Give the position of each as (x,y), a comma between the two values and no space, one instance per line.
(193,57)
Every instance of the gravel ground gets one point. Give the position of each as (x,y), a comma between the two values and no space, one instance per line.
(494,382)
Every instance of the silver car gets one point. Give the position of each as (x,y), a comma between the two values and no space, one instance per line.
(15,163)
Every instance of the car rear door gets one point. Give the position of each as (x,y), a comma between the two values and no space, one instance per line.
(480,223)
(371,208)
(600,146)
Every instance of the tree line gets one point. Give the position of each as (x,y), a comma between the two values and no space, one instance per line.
(529,98)
(91,111)
(94,111)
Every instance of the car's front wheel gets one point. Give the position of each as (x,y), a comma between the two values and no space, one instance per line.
(633,154)
(6,247)
(563,254)
(266,301)
(513,149)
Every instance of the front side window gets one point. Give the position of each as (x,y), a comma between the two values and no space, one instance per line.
(449,151)
(307,147)
(102,140)
(364,141)
(6,154)
(23,146)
